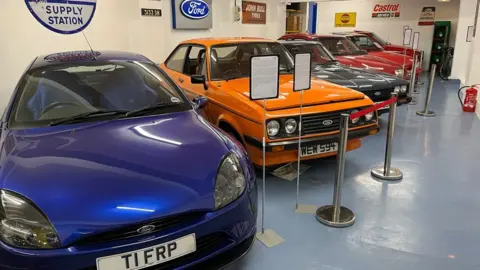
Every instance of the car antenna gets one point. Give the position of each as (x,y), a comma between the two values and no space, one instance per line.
(86,39)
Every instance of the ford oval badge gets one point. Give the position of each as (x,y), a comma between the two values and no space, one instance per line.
(327,122)
(195,9)
(145,229)
(378,93)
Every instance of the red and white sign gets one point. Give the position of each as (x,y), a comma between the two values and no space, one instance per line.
(427,17)
(386,11)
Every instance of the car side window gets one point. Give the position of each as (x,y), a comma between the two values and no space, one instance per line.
(363,42)
(194,61)
(177,59)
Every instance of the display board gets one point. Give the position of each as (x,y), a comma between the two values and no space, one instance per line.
(254,12)
(264,77)
(302,75)
(427,16)
(386,11)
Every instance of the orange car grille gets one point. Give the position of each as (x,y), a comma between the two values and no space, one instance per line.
(322,122)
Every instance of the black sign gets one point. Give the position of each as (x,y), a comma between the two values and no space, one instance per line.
(151,12)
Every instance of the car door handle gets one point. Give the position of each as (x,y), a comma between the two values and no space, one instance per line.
(180,80)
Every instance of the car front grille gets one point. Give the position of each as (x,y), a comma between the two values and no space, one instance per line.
(379,95)
(206,245)
(129,231)
(321,122)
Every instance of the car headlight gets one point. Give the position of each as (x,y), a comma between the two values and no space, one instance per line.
(22,225)
(354,120)
(230,181)
(369,116)
(396,89)
(290,126)
(403,89)
(273,127)
(399,73)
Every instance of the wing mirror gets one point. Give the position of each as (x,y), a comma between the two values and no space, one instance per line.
(199,79)
(200,102)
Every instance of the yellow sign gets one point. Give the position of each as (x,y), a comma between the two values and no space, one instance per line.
(346,19)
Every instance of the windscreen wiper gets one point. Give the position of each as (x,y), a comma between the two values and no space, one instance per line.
(88,115)
(150,108)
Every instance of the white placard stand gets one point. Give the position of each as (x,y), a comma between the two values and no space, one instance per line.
(264,77)
(301,81)
(407,37)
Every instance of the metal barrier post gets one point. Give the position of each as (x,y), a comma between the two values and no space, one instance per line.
(419,82)
(411,87)
(386,172)
(336,215)
(425,111)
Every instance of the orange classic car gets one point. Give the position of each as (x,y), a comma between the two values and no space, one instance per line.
(219,69)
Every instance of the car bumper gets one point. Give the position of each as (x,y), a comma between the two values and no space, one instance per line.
(234,227)
(289,148)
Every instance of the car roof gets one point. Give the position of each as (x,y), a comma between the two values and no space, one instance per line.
(349,34)
(226,40)
(86,56)
(298,42)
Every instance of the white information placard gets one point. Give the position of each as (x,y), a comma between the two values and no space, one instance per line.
(416,40)
(264,76)
(303,67)
(407,36)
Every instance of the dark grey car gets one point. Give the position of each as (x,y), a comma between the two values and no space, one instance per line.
(375,84)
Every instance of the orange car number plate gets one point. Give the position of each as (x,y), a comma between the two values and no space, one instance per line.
(319,149)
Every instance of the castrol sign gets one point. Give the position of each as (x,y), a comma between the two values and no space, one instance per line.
(386,11)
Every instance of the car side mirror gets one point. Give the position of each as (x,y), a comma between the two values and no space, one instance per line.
(200,102)
(199,79)
(364,51)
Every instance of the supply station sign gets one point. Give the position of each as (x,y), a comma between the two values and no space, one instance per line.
(346,19)
(63,16)
(386,11)
(254,12)
(427,17)
(192,14)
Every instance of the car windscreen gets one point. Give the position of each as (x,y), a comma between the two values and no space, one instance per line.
(232,61)
(66,90)
(319,54)
(340,46)
(379,39)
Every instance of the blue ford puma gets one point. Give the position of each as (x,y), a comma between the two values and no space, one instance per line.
(104,164)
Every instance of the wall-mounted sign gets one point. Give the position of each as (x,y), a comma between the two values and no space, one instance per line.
(346,19)
(386,11)
(254,12)
(151,12)
(192,14)
(63,16)
(427,16)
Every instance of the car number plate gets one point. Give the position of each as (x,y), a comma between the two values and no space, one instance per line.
(147,257)
(319,149)
(384,107)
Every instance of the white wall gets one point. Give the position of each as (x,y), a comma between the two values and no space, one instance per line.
(463,50)
(390,29)
(117,25)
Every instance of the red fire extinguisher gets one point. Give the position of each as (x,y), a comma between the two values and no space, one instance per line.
(470,102)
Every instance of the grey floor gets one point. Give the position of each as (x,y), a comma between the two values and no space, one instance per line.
(430,220)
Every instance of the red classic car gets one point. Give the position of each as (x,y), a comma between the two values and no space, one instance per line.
(389,46)
(349,54)
(374,48)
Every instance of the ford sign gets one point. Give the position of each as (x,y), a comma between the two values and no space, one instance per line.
(195,9)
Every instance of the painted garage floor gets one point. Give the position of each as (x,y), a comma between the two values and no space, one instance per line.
(430,220)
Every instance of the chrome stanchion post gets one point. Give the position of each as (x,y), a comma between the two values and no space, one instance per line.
(419,81)
(413,76)
(425,111)
(263,161)
(386,172)
(336,215)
